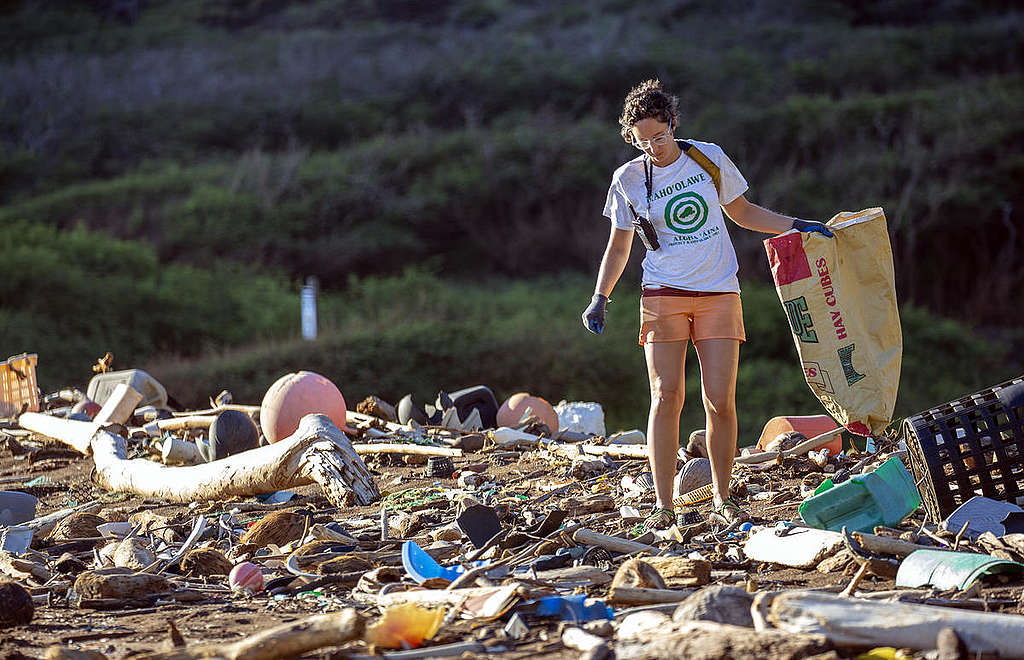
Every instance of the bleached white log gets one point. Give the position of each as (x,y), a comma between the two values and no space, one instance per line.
(851,622)
(317,452)
(71,432)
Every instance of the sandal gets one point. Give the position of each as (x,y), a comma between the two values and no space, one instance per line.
(658,520)
(729,511)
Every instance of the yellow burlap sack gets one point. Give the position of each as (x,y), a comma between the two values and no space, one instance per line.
(840,298)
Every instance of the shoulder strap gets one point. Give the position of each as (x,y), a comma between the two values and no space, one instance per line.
(697,155)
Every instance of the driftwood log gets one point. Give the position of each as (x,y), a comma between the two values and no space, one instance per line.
(318,452)
(706,640)
(852,622)
(285,641)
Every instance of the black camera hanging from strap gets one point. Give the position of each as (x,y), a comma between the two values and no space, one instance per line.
(644,227)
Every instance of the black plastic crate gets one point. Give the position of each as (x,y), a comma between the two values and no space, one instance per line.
(971,446)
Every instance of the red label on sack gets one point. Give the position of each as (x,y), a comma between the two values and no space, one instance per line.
(787,258)
(860,428)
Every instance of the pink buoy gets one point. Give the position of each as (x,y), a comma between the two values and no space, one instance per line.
(292,397)
(246,576)
(513,409)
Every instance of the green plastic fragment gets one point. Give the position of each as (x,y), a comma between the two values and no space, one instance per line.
(945,569)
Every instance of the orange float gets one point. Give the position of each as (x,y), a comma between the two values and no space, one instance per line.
(809,425)
(295,395)
(515,407)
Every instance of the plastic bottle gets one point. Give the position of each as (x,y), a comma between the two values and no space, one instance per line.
(883,497)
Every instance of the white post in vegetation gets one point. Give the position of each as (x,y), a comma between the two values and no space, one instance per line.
(308,300)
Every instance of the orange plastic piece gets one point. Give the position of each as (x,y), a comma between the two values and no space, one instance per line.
(809,425)
(18,389)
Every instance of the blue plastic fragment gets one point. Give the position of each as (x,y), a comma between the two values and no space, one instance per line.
(277,497)
(421,567)
(573,608)
(746,527)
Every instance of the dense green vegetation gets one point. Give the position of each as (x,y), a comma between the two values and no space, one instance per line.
(169,171)
(416,333)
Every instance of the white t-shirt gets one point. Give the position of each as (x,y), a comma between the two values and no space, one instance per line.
(696,252)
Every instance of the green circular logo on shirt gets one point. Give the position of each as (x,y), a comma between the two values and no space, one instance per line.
(686,213)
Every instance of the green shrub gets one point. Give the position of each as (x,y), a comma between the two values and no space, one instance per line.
(73,295)
(418,334)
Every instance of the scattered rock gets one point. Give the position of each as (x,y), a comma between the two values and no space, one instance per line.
(16,606)
(638,573)
(118,583)
(133,553)
(79,525)
(718,603)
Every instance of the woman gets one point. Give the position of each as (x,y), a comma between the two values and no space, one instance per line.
(690,290)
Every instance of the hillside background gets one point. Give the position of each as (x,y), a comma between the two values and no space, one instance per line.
(171,172)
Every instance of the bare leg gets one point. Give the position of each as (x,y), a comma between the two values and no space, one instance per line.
(719,360)
(665,369)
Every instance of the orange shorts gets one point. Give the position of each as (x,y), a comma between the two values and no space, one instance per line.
(677,318)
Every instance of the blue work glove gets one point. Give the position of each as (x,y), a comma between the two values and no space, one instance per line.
(811,225)
(593,317)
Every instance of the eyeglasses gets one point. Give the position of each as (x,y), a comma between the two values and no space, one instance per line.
(657,140)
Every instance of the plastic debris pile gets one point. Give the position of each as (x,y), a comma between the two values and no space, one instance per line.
(444,531)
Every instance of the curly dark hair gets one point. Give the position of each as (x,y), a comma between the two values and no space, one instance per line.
(647,100)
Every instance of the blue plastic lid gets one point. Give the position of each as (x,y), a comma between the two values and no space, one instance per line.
(421,567)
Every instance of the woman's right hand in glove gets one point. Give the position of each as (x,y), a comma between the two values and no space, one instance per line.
(593,316)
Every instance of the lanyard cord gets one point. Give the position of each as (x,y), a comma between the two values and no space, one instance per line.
(649,182)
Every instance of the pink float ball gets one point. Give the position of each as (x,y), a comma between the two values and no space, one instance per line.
(513,409)
(292,397)
(246,576)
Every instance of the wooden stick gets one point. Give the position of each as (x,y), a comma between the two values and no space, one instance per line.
(251,410)
(887,545)
(642,596)
(802,448)
(613,543)
(406,448)
(355,418)
(179,424)
(285,641)
(623,451)
(861,572)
